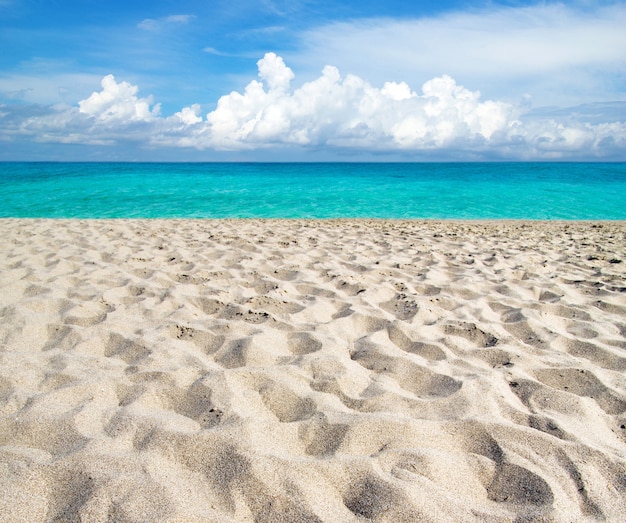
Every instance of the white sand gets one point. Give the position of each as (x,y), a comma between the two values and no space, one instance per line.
(303,371)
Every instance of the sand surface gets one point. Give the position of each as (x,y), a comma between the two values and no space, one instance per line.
(303,371)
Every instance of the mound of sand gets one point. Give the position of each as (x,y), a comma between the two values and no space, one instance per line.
(188,371)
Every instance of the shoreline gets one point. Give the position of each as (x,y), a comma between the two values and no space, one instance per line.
(323,220)
(312,370)
(426,222)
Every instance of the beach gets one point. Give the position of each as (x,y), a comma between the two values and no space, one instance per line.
(312,371)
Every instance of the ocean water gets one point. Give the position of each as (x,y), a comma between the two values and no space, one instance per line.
(582,191)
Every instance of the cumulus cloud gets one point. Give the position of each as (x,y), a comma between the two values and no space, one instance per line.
(189,115)
(118,102)
(350,112)
(333,112)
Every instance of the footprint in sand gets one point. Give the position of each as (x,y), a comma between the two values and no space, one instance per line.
(35,290)
(266,304)
(563,311)
(420,381)
(402,307)
(231,311)
(145,385)
(611,308)
(510,483)
(197,403)
(496,358)
(320,437)
(372,498)
(62,337)
(234,354)
(88,313)
(129,351)
(285,274)
(301,343)
(359,322)
(285,404)
(332,386)
(470,332)
(57,435)
(518,485)
(530,334)
(207,342)
(549,426)
(582,383)
(590,351)
(510,315)
(582,330)
(426,350)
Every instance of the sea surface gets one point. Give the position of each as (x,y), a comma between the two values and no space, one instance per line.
(571,191)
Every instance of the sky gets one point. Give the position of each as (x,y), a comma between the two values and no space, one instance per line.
(304,80)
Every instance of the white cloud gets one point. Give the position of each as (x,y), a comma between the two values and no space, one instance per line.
(331,112)
(118,102)
(156,24)
(276,74)
(561,54)
(551,139)
(350,112)
(107,117)
(189,115)
(47,88)
(216,52)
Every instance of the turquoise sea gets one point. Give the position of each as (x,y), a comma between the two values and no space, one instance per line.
(577,191)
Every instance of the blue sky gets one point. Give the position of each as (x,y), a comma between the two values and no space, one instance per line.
(305,80)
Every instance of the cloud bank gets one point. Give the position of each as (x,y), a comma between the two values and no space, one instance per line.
(554,51)
(349,112)
(331,112)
